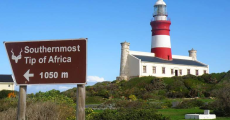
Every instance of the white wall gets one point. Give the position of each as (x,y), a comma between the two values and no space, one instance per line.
(5,86)
(134,66)
(142,53)
(124,59)
(168,68)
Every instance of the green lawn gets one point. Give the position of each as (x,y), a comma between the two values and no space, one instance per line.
(207,100)
(178,114)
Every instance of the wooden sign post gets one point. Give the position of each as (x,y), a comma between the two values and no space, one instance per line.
(22,103)
(80,102)
(49,62)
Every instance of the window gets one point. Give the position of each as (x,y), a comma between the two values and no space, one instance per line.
(172,71)
(154,70)
(180,72)
(163,70)
(197,72)
(205,72)
(8,85)
(188,71)
(144,69)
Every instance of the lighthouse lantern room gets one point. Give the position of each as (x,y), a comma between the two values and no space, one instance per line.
(160,10)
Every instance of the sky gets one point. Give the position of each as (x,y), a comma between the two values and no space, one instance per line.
(199,24)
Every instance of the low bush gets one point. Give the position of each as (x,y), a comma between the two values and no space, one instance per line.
(147,95)
(89,114)
(7,103)
(9,114)
(103,93)
(162,92)
(137,82)
(167,104)
(222,104)
(129,114)
(190,104)
(42,111)
(71,93)
(5,93)
(177,89)
(94,100)
(132,97)
(138,104)
(52,95)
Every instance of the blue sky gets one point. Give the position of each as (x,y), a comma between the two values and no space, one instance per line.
(199,24)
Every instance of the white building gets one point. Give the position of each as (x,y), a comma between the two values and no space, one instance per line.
(6,82)
(160,62)
(138,64)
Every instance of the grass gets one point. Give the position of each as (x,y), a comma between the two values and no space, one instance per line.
(178,114)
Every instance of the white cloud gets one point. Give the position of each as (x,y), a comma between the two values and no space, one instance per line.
(95,79)
(63,88)
(43,87)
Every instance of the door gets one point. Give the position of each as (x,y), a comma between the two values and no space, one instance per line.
(176,72)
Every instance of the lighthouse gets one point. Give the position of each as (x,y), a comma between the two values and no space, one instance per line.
(159,62)
(161,44)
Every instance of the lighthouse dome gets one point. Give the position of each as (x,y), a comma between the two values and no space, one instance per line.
(160,2)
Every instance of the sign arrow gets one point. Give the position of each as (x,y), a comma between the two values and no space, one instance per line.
(27,75)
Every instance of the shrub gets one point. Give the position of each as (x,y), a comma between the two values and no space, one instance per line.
(129,114)
(190,104)
(89,114)
(162,92)
(42,111)
(138,104)
(190,76)
(168,104)
(5,93)
(52,95)
(94,100)
(226,77)
(132,97)
(137,82)
(103,93)
(134,91)
(8,103)
(123,103)
(71,93)
(11,95)
(177,89)
(222,104)
(146,96)
(9,114)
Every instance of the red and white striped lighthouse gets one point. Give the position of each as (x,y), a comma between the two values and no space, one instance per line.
(161,44)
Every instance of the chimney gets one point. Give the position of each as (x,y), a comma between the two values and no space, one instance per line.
(192,53)
(124,61)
